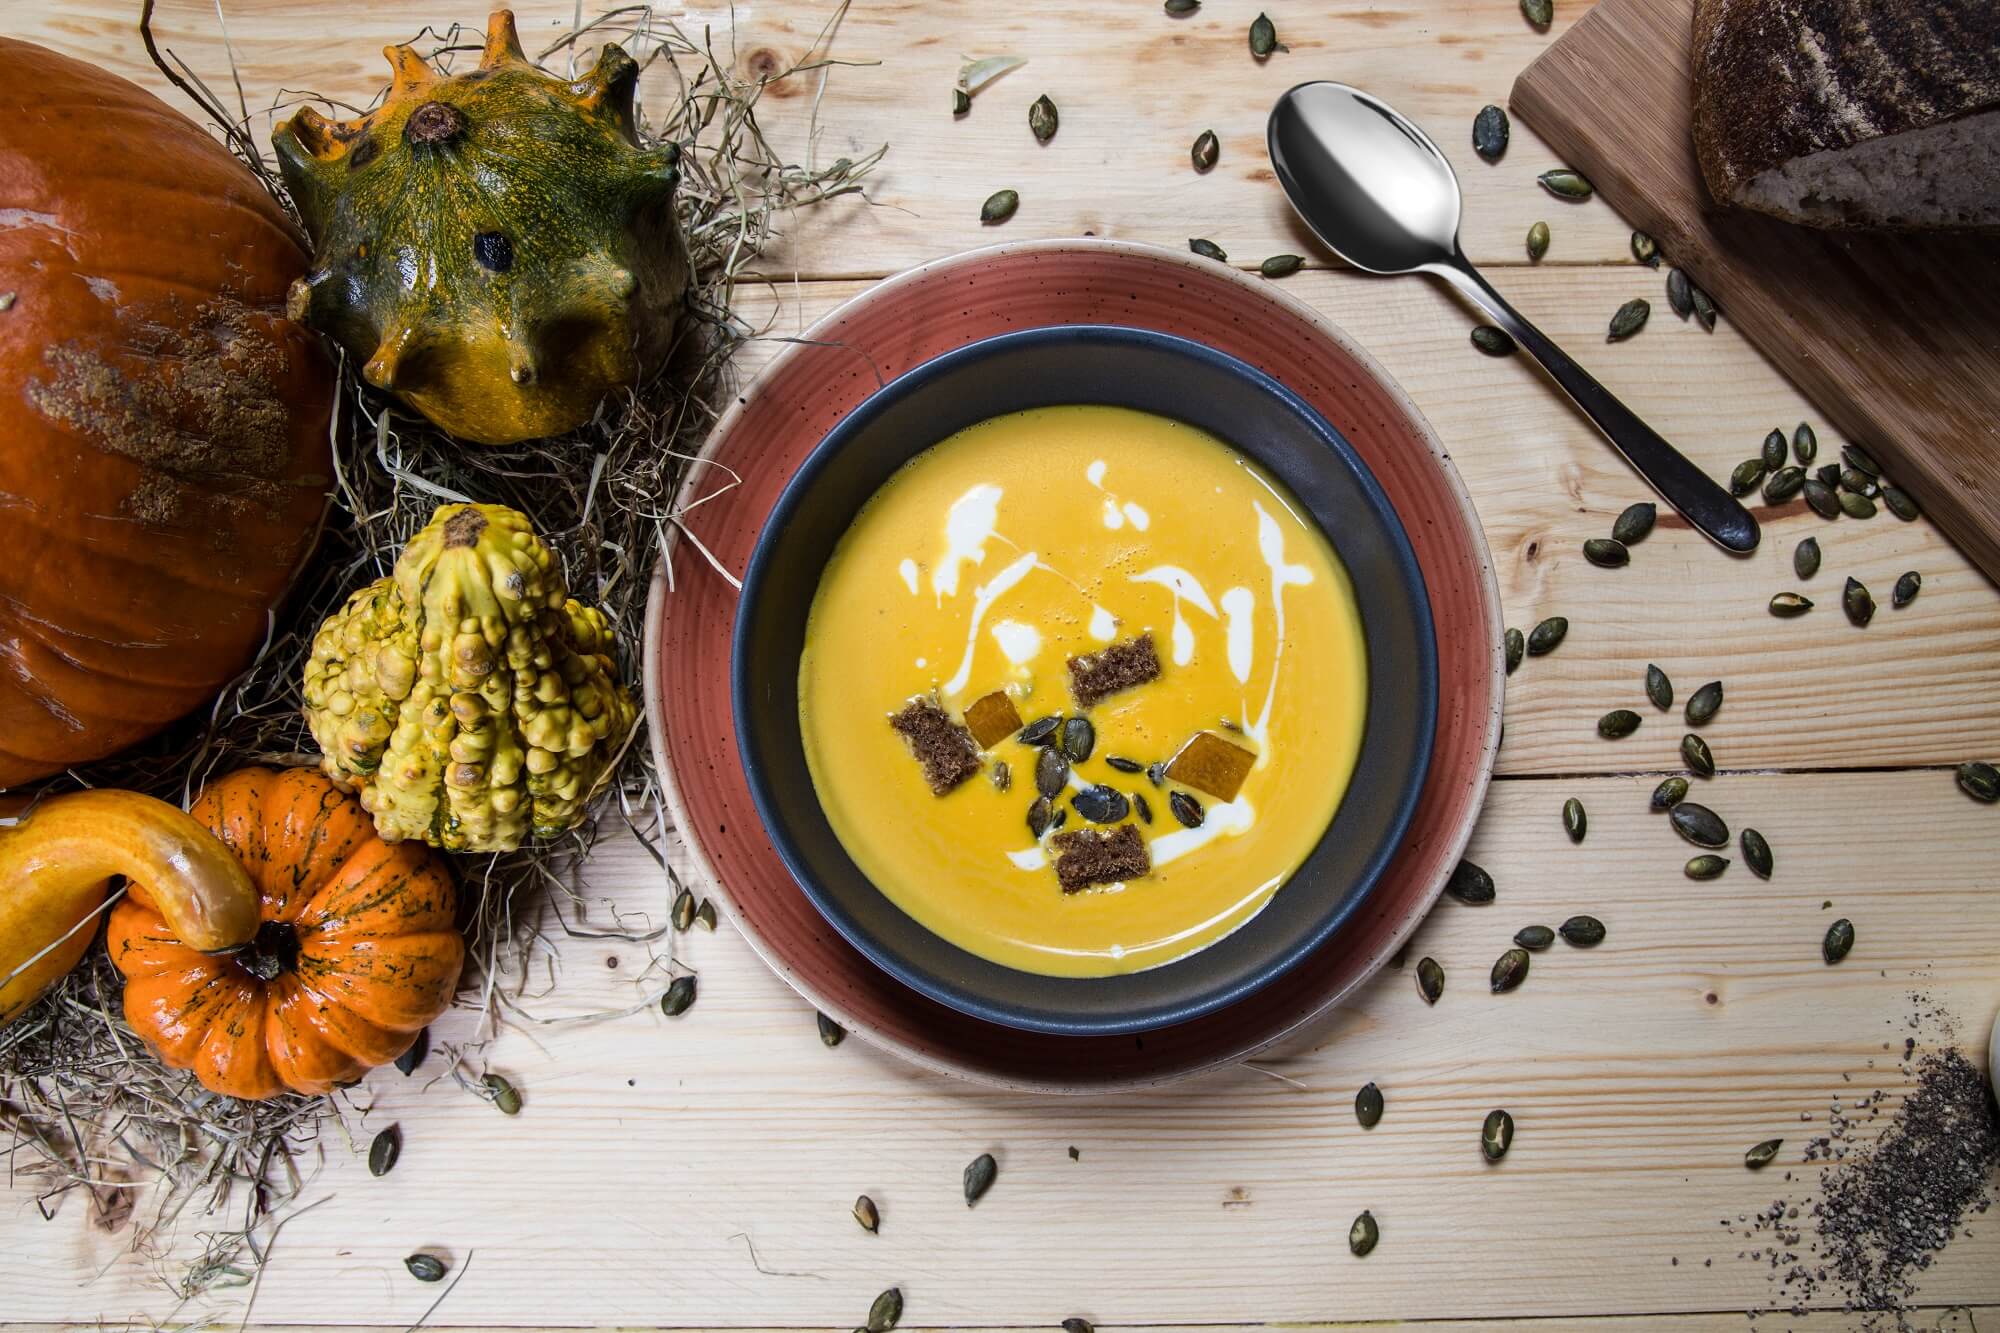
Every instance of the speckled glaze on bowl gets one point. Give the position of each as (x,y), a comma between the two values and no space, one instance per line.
(899,324)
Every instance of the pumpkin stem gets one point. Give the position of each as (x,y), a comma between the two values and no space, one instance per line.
(271,952)
(503,43)
(433,124)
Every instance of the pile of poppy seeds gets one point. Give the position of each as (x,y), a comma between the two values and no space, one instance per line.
(1882,1210)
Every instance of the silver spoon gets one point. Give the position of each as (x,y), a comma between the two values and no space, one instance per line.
(1379,193)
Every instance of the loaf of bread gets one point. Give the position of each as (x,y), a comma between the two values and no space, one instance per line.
(1851,113)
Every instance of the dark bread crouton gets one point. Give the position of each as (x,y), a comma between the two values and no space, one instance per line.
(942,746)
(1124,664)
(1093,856)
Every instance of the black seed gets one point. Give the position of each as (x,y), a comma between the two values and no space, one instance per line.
(1079,738)
(1628,319)
(1857,602)
(1839,939)
(1042,119)
(979,1174)
(1062,817)
(886,1312)
(493,251)
(1489,133)
(1496,1136)
(1003,776)
(1144,807)
(1534,938)
(1857,457)
(831,1034)
(1670,793)
(1281,266)
(1207,249)
(1469,883)
(1583,932)
(1790,604)
(1774,450)
(1101,805)
(999,206)
(679,997)
(1756,852)
(1907,588)
(408,1061)
(1706,866)
(425,1267)
(1492,341)
(1617,724)
(1510,969)
(1206,149)
(1805,558)
(1545,636)
(1703,703)
(1699,825)
(1186,809)
(1805,444)
(1361,1237)
(1746,475)
(1760,1156)
(1042,729)
(1822,498)
(1783,484)
(1680,293)
(1695,754)
(1430,980)
(1979,780)
(1368,1106)
(1606,552)
(1575,822)
(1515,644)
(1900,504)
(1122,764)
(1829,475)
(1635,522)
(1051,772)
(1565,184)
(384,1151)
(1039,814)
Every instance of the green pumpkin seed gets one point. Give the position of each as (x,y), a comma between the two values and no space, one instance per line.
(1430,980)
(1839,939)
(1670,793)
(1829,475)
(1492,341)
(1617,724)
(1635,522)
(1510,969)
(999,206)
(1281,266)
(1582,932)
(1575,822)
(1680,293)
(961,101)
(425,1267)
(1541,13)
(1706,866)
(1760,1156)
(683,910)
(1695,754)
(1645,249)
(505,1096)
(1628,319)
(1263,37)
(414,1055)
(1207,148)
(1906,590)
(979,1174)
(1659,688)
(1606,553)
(1699,825)
(1790,604)
(1075,1325)
(886,1312)
(1207,249)
(1857,602)
(1858,482)
(1746,475)
(1180,7)
(1538,240)
(1515,644)
(384,1151)
(1544,637)
(1856,506)
(1703,703)
(679,997)
(1805,558)
(1489,132)
(1857,457)
(1783,484)
(1565,184)
(1534,938)
(1979,780)
(1496,1136)
(1704,308)
(1043,120)
(1774,450)
(1756,852)
(704,915)
(1361,1237)
(831,1034)
(866,1215)
(1805,444)
(1469,883)
(1822,498)
(1368,1105)
(1900,504)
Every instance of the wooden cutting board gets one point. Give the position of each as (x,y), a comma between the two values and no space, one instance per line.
(1895,338)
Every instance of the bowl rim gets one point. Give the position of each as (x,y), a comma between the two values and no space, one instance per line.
(1197,1002)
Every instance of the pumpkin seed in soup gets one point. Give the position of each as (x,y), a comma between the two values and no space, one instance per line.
(1489,132)
(1790,605)
(1143,806)
(1538,241)
(979,1176)
(1516,644)
(1628,319)
(1079,738)
(1756,852)
(1207,148)
(1979,780)
(1156,773)
(1281,266)
(1101,805)
(1546,636)
(1606,553)
(1123,765)
(1362,1236)
(1582,932)
(1805,444)
(1617,724)
(1645,249)
(1744,479)
(1510,969)
(1859,604)
(1430,980)
(1760,1156)
(1368,1106)
(1001,775)
(1469,883)
(1207,249)
(679,997)
(1783,484)
(1635,522)
(1041,731)
(1680,293)
(1699,825)
(1263,37)
(1670,793)
(1575,822)
(1492,341)
(1695,754)
(1534,938)
(866,1215)
(1703,703)
(1565,184)
(1051,772)
(1186,809)
(1906,590)
(1040,813)
(1900,504)
(384,1151)
(1805,558)
(1496,1136)
(1839,940)
(999,206)
(1706,866)
(1042,119)
(886,1312)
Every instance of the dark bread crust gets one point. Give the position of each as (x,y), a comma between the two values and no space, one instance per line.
(945,749)
(1118,667)
(1089,857)
(1776,80)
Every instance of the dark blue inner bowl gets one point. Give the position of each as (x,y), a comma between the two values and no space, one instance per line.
(1155,373)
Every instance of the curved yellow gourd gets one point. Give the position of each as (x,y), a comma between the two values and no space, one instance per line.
(57,864)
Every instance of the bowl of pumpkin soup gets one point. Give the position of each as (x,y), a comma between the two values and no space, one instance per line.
(1084,679)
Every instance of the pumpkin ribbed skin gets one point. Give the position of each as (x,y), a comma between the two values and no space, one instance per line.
(163,457)
(359,948)
(494,248)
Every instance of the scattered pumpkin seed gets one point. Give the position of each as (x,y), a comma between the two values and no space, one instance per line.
(1900,504)
(1516,644)
(414,1055)
(1207,249)
(1635,522)
(1263,37)
(1606,553)
(1489,132)
(1856,506)
(1469,883)
(1061,818)
(1001,775)
(961,101)
(1051,772)
(683,909)
(1706,866)
(1805,558)
(1079,738)
(1492,341)
(1368,1105)
(1783,484)
(1695,754)
(1760,1156)
(1659,688)
(1361,1237)
(1859,604)
(1858,482)
(1430,979)
(1857,457)
(1704,308)
(1281,266)
(1186,809)
(1496,1136)
(1839,939)
(1538,241)
(1645,249)
(1575,822)
(1041,730)
(1703,703)
(1565,184)
(831,1034)
(999,206)
(1040,812)
(1629,318)
(979,1174)
(1143,806)
(679,997)
(1829,475)
(1699,825)
(1805,444)
(1617,724)
(1534,938)
(1979,780)
(1510,969)
(1101,804)
(1756,852)
(866,1216)
(384,1151)
(1906,590)
(1205,151)
(425,1267)
(886,1312)
(1543,638)
(1583,932)
(505,1096)
(1680,293)
(1824,501)
(704,915)
(1179,7)
(1790,604)
(1746,475)
(1074,1325)
(1042,119)
(1670,793)
(1773,452)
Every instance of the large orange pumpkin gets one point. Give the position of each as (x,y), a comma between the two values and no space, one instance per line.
(357,949)
(164,460)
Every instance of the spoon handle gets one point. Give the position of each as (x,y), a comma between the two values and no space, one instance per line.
(1706,504)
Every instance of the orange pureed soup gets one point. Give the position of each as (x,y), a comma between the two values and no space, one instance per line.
(1156,604)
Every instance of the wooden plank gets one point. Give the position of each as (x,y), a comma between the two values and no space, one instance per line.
(1544,481)
(1896,338)
(1943,1319)
(652,1153)
(1134,91)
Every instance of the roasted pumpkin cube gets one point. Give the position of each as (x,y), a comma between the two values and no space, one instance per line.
(992,718)
(1211,764)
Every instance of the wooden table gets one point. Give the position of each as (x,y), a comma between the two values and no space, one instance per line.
(698,1172)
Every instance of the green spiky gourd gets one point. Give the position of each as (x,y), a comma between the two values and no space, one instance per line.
(494,248)
(468,697)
